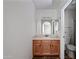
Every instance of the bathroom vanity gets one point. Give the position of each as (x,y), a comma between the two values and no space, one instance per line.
(46,41)
(46,47)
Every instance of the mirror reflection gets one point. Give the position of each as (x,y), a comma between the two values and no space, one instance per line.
(49,27)
(46,28)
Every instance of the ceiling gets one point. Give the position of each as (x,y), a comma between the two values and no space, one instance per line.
(27,1)
(44,4)
(49,4)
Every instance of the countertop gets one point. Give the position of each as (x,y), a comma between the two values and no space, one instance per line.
(46,38)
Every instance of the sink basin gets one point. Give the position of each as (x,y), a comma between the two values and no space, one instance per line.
(46,35)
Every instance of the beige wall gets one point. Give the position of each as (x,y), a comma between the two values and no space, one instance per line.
(40,13)
(19,27)
(70,17)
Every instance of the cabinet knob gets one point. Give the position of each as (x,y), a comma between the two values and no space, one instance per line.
(40,45)
(51,45)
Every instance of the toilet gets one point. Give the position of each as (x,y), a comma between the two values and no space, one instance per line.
(70,49)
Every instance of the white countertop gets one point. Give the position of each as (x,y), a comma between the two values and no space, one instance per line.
(42,37)
(46,38)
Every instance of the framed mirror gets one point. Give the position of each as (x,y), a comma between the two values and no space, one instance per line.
(49,26)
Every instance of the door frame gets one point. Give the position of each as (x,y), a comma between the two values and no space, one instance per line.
(62,43)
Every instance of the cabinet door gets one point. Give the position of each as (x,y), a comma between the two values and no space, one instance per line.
(46,47)
(55,47)
(37,47)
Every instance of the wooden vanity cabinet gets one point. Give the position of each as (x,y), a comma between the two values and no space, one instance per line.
(37,48)
(46,47)
(55,47)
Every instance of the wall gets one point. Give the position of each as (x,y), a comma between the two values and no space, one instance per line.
(19,27)
(70,17)
(40,13)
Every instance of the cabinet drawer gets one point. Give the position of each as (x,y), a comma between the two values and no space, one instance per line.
(36,42)
(37,50)
(55,42)
(46,47)
(55,47)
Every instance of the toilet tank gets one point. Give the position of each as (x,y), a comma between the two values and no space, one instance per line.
(67,40)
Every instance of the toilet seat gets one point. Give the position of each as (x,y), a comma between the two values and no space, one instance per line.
(71,47)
